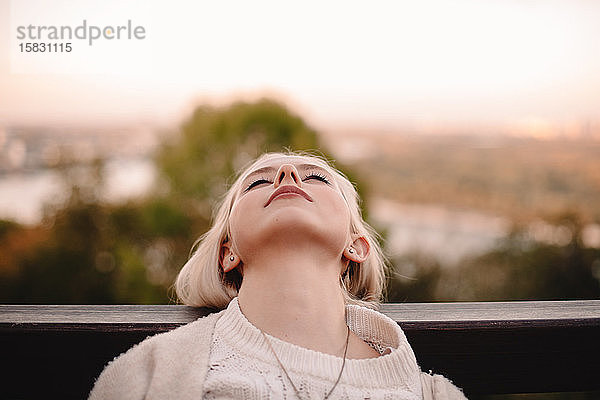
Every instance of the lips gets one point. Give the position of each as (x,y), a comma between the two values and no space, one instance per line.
(288,189)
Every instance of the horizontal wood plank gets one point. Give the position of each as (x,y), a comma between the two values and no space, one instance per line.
(491,347)
(417,314)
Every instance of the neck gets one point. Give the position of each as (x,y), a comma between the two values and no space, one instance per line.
(296,298)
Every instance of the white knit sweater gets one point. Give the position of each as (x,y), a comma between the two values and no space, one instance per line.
(223,356)
(241,365)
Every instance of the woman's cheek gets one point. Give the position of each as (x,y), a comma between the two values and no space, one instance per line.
(336,214)
(339,206)
(244,214)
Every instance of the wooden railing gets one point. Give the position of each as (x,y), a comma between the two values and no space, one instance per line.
(485,348)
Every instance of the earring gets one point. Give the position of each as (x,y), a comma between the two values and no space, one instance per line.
(351,250)
(231,258)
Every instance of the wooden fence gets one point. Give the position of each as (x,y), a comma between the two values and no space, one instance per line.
(485,348)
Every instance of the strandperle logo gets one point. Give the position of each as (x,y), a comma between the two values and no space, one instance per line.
(84,31)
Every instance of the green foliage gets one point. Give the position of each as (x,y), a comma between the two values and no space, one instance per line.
(87,251)
(91,252)
(164,218)
(216,142)
(61,268)
(522,270)
(7,226)
(415,279)
(519,268)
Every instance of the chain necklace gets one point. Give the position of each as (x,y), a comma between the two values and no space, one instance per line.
(290,379)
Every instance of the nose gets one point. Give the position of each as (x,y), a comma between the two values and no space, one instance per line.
(287,175)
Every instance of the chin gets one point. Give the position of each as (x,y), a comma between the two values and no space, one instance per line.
(294,228)
(292,222)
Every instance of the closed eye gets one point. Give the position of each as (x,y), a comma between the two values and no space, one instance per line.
(316,176)
(256,183)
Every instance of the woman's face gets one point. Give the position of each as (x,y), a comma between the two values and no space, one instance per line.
(289,200)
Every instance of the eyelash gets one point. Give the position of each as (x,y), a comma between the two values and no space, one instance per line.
(311,175)
(256,182)
(317,176)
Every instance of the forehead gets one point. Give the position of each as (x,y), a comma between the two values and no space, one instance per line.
(301,163)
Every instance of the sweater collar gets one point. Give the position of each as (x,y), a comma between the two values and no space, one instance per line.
(397,368)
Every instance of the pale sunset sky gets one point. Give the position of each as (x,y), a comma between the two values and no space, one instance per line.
(387,64)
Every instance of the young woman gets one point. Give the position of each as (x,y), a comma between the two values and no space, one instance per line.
(298,272)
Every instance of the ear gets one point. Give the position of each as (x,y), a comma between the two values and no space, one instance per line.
(358,251)
(227,258)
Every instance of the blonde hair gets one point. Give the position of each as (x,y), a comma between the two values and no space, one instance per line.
(202,282)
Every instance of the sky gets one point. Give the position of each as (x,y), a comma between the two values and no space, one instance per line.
(428,64)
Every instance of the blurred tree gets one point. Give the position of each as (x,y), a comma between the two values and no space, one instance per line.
(415,278)
(88,251)
(214,143)
(79,254)
(521,268)
(6,227)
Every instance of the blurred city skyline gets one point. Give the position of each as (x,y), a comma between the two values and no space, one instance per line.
(524,68)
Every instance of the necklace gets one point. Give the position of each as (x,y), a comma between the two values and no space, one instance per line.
(290,379)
